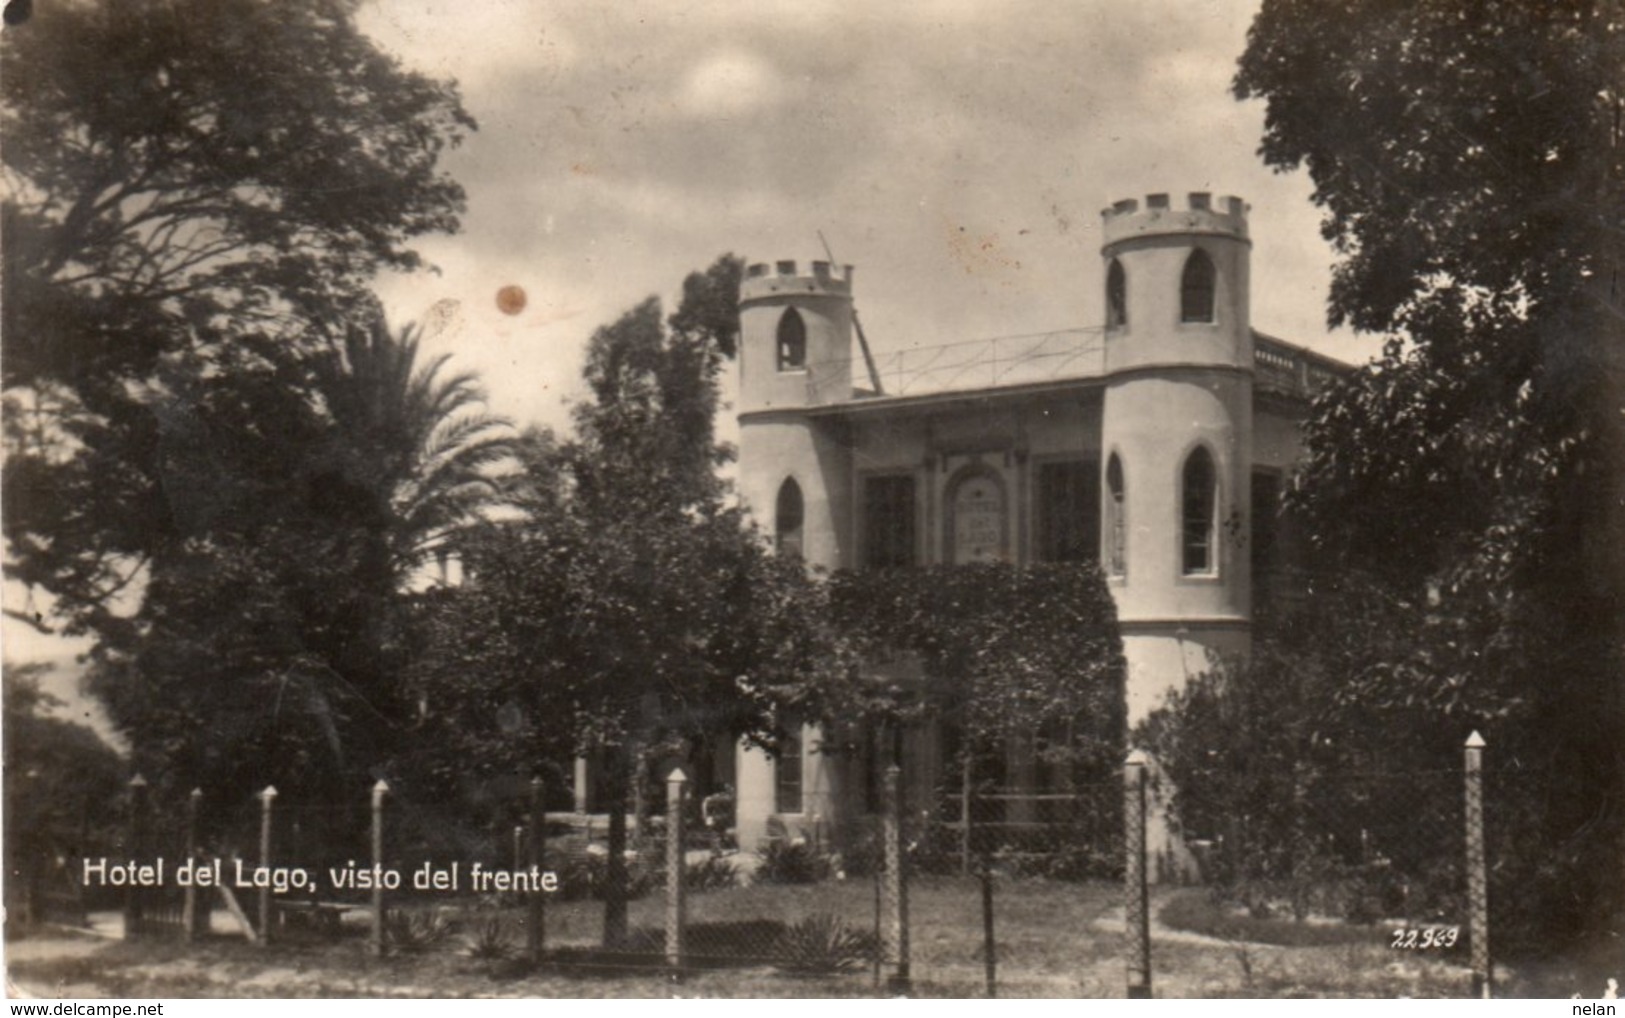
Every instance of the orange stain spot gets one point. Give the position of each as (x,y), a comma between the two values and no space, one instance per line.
(511,300)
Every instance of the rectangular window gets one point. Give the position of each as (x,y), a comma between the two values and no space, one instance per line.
(1200,500)
(1068,512)
(871,759)
(787,774)
(888,522)
(1266,496)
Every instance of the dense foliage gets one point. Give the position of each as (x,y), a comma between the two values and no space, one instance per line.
(632,613)
(267,645)
(190,184)
(62,796)
(1468,482)
(1004,655)
(220,462)
(1303,794)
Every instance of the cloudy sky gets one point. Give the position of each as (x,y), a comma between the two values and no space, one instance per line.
(958,153)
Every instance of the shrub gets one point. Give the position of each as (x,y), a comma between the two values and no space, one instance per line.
(935,850)
(711,874)
(417,932)
(793,862)
(585,875)
(1070,862)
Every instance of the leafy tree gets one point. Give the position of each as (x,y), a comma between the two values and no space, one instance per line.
(1303,789)
(1468,158)
(269,642)
(633,612)
(647,438)
(62,784)
(182,175)
(198,194)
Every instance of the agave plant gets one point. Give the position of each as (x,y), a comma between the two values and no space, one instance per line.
(492,940)
(823,944)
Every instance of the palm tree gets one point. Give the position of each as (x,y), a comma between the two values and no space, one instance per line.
(412,459)
(416,448)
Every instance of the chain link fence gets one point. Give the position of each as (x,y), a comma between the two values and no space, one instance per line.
(996,874)
(800,902)
(1360,848)
(981,890)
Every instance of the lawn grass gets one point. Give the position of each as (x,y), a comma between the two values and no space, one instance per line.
(1196,910)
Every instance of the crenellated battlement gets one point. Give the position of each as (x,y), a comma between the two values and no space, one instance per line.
(1201,214)
(765,279)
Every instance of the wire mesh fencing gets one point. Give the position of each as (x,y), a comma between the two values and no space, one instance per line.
(1362,848)
(156,846)
(972,890)
(1011,889)
(800,901)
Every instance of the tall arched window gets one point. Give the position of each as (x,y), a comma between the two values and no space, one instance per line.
(792,341)
(787,518)
(1196,288)
(1198,501)
(1116,295)
(1116,530)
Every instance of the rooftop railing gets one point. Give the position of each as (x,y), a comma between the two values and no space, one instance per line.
(1033,358)
(1287,370)
(973,364)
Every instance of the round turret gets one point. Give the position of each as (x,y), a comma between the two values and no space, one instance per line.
(1176,434)
(795,335)
(1124,219)
(1177,282)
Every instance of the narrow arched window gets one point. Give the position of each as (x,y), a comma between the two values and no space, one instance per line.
(1116,530)
(792,341)
(1116,295)
(1197,505)
(1196,288)
(787,518)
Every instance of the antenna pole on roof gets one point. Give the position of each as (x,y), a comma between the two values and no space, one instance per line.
(863,341)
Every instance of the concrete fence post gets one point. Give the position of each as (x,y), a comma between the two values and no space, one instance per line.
(536,924)
(579,790)
(895,946)
(376,939)
(267,919)
(965,817)
(676,789)
(133,903)
(1478,907)
(190,900)
(1137,927)
(990,945)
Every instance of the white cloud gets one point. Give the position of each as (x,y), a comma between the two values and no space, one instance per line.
(728,83)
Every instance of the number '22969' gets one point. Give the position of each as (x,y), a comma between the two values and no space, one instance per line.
(1422,939)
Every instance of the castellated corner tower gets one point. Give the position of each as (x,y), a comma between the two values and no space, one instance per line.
(795,355)
(1176,436)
